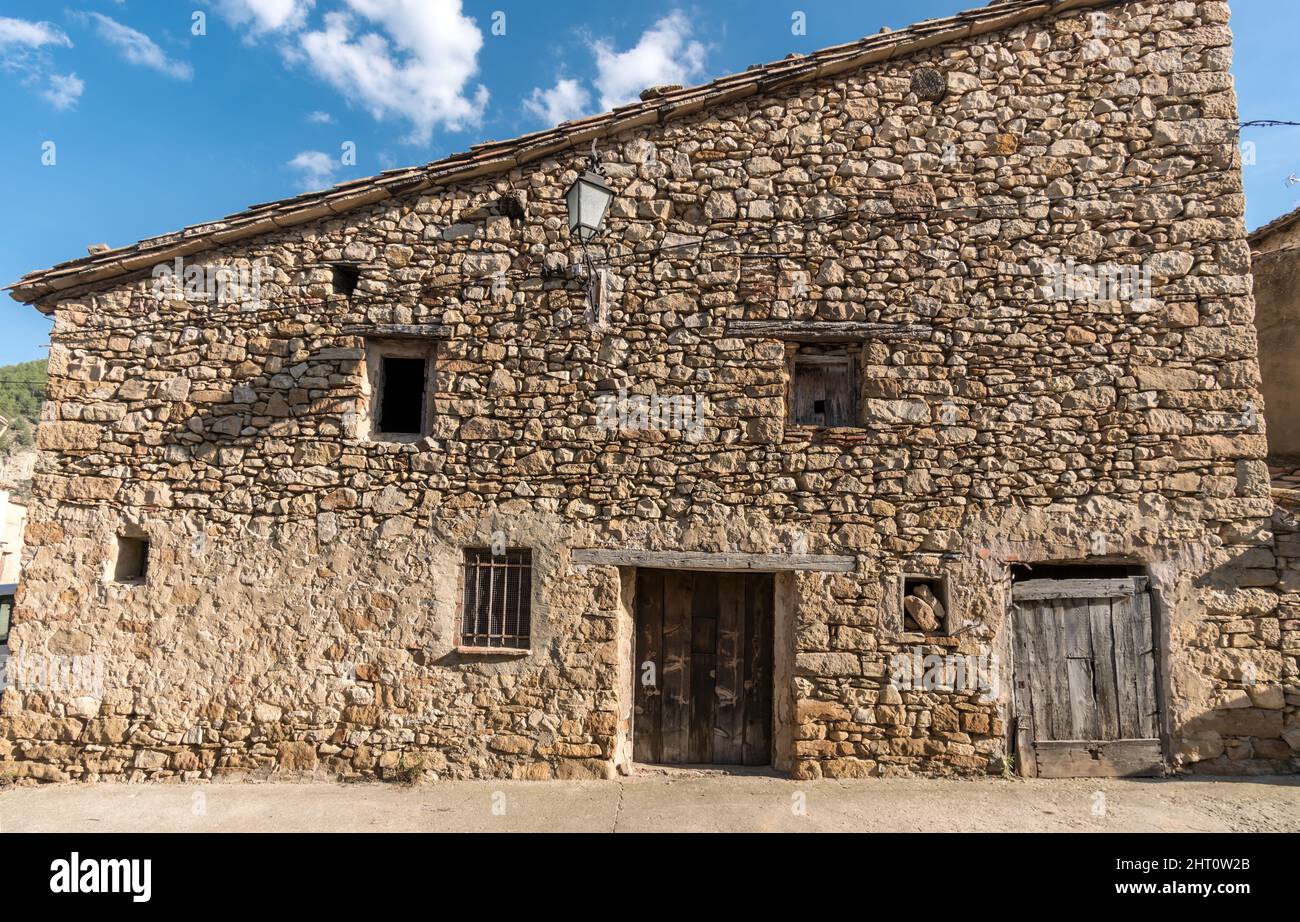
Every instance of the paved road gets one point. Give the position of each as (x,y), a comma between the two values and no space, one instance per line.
(687,801)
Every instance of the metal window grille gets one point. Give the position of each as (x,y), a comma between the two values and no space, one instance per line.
(498,599)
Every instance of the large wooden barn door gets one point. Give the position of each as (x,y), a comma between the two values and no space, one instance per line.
(703,668)
(1085,678)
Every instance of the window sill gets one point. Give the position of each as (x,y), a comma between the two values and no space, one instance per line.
(808,427)
(494,651)
(798,434)
(397,438)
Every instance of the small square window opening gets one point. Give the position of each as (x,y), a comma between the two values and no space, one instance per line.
(345,279)
(823,389)
(925,605)
(131,564)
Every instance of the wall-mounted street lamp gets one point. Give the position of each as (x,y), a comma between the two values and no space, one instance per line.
(587,202)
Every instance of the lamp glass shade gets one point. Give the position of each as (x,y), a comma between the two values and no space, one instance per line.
(587,200)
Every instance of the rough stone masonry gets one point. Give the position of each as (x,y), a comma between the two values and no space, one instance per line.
(963,194)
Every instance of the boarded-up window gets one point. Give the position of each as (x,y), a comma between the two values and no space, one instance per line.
(823,390)
(498,599)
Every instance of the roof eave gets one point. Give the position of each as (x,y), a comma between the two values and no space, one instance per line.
(499,156)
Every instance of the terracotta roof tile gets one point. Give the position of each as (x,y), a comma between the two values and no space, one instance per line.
(496,156)
(1272,227)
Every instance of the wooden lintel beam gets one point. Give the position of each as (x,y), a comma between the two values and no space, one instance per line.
(826,330)
(699,560)
(399,330)
(1078,588)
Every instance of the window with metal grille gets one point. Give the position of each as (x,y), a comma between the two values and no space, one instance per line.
(498,599)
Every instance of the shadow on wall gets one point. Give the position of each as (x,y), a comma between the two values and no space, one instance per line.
(1250,728)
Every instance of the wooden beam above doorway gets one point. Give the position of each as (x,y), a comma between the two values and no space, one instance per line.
(703,560)
(1078,588)
(826,331)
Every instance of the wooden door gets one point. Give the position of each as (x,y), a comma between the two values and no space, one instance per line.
(703,668)
(1085,678)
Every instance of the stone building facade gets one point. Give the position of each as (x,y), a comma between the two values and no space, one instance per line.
(933,209)
(13,522)
(1276,272)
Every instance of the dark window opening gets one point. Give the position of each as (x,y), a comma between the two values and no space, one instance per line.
(345,279)
(498,599)
(132,563)
(925,605)
(824,390)
(1022,572)
(401,395)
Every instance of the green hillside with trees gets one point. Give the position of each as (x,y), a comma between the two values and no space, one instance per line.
(22,390)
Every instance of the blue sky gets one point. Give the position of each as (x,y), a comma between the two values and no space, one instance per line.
(155,127)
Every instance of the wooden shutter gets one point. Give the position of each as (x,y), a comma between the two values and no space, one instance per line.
(824,391)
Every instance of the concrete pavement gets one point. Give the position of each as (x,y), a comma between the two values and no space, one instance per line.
(661,802)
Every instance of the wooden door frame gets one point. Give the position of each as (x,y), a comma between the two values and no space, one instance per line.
(783,613)
(1164,689)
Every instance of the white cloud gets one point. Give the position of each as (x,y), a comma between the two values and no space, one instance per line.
(139,48)
(266,15)
(664,54)
(64,90)
(565,101)
(320,118)
(25,47)
(418,70)
(316,169)
(31,34)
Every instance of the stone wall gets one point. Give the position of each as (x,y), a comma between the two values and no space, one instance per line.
(301,607)
(1276,271)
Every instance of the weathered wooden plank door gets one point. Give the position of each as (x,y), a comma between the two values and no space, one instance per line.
(703,668)
(1085,678)
(824,391)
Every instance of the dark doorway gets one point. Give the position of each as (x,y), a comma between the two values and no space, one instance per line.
(704,667)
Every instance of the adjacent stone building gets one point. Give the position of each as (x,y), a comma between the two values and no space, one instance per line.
(895,358)
(1276,273)
(13,521)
